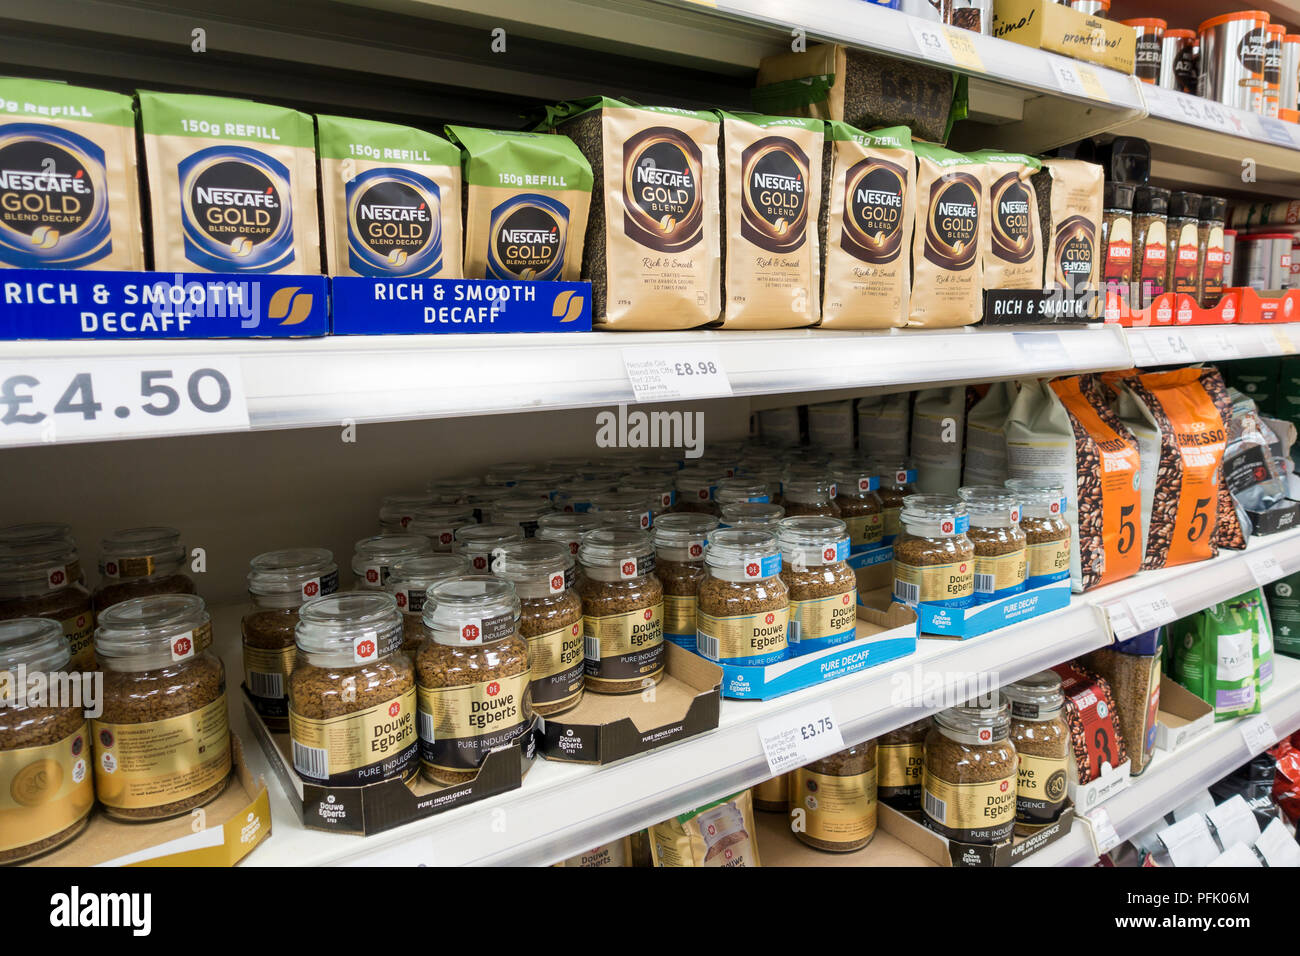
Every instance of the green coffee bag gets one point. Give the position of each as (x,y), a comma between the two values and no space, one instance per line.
(1218,659)
(1284,612)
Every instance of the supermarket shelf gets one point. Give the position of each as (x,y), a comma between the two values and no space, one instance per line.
(305,382)
(1175,777)
(563,809)
(1183,344)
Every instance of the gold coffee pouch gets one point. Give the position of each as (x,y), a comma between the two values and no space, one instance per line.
(527,196)
(771,169)
(391,200)
(951,224)
(867,227)
(652,252)
(1013,250)
(1077,193)
(232,185)
(718,834)
(69,197)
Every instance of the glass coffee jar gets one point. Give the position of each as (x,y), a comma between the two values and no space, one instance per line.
(1047,533)
(624,509)
(809,495)
(623,611)
(860,506)
(43,579)
(901,756)
(478,543)
(408,583)
(521,511)
(897,481)
(574,497)
(373,559)
(352,701)
(743,604)
(750,514)
(45,775)
(680,541)
(1042,741)
(696,490)
(439,523)
(567,528)
(473,678)
(656,485)
(136,562)
(823,588)
(837,795)
(396,511)
(278,584)
(969,780)
(740,489)
(162,742)
(550,621)
(934,561)
(1000,544)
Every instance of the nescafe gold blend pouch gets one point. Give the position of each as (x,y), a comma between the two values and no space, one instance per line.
(1077,192)
(771,169)
(951,224)
(69,196)
(232,185)
(527,196)
(653,249)
(1013,254)
(391,200)
(867,227)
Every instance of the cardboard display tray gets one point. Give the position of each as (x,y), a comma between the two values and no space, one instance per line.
(963,623)
(376,807)
(777,846)
(1182,716)
(608,727)
(1056,27)
(219,834)
(944,852)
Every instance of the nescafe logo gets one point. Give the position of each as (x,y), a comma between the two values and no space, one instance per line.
(1075,250)
(235,204)
(1013,207)
(774,200)
(46,192)
(529,241)
(953,225)
(1252,50)
(663,204)
(875,194)
(393,220)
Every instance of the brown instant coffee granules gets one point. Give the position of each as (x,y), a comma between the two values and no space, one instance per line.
(837,796)
(969,779)
(900,756)
(809,495)
(473,676)
(623,611)
(934,561)
(860,506)
(743,605)
(1134,680)
(42,579)
(1000,544)
(680,540)
(138,562)
(823,588)
(162,743)
(1047,533)
(1042,741)
(43,750)
(410,581)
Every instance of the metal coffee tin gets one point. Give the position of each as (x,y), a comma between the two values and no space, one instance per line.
(1289,83)
(1147,55)
(1233,50)
(1273,68)
(1178,61)
(1265,263)
(1229,258)
(1093,8)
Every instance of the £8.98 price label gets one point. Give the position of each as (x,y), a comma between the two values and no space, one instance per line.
(55,400)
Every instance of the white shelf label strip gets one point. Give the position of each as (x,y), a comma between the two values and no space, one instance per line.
(1264,568)
(800,737)
(1258,734)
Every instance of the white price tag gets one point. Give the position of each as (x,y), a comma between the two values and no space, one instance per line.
(1258,734)
(1141,349)
(931,40)
(1269,344)
(1150,609)
(1042,349)
(1103,831)
(1078,79)
(800,737)
(672,372)
(49,400)
(1264,568)
(1170,348)
(1121,620)
(1222,346)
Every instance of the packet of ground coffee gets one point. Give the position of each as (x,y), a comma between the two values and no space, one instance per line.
(718,834)
(865,90)
(986,443)
(1093,718)
(526,202)
(771,168)
(69,196)
(1182,468)
(1216,658)
(653,249)
(391,200)
(884,425)
(1065,432)
(866,227)
(1284,614)
(232,185)
(938,424)
(1076,194)
(951,225)
(1013,250)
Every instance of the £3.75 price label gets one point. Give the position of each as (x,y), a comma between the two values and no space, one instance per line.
(80,400)
(800,737)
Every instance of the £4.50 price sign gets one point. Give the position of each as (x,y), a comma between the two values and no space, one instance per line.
(82,400)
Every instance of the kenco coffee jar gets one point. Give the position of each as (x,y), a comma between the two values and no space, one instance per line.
(623,611)
(969,781)
(136,562)
(1150,39)
(1150,244)
(352,707)
(1213,253)
(823,588)
(278,584)
(43,579)
(743,603)
(1117,245)
(1182,266)
(934,560)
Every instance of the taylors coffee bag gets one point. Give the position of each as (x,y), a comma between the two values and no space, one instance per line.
(1013,252)
(232,185)
(771,168)
(1077,194)
(391,200)
(867,227)
(69,196)
(951,223)
(653,242)
(527,197)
